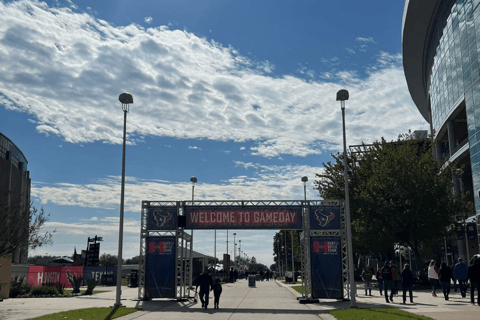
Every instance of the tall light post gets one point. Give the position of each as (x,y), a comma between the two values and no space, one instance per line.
(304,180)
(343,95)
(125,99)
(234,247)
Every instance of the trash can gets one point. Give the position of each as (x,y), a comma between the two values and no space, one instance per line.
(251,281)
(257,277)
(133,279)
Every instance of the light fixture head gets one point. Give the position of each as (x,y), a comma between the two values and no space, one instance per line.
(193,179)
(304,179)
(125,98)
(342,95)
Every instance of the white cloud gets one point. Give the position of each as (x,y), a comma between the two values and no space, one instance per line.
(148,20)
(263,182)
(365,40)
(350,50)
(67,69)
(242,148)
(194,148)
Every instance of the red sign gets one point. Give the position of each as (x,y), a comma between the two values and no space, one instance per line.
(260,218)
(38,275)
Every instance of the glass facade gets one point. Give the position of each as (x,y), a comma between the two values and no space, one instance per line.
(453,73)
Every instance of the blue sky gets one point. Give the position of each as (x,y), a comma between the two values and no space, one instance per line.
(240,94)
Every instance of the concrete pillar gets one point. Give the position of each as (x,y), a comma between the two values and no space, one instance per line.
(452,143)
(438,151)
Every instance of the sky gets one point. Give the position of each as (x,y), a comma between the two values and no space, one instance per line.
(240,94)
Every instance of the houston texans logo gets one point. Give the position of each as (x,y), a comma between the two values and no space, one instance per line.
(161,218)
(324,219)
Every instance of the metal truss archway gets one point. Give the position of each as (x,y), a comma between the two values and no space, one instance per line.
(184,240)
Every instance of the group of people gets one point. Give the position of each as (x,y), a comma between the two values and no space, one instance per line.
(461,273)
(390,277)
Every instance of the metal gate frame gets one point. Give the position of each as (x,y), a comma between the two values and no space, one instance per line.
(184,256)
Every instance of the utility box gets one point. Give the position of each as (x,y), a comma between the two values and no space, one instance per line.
(251,281)
(133,279)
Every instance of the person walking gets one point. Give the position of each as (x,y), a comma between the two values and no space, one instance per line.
(378,275)
(396,277)
(387,274)
(407,282)
(205,282)
(367,276)
(460,270)
(445,275)
(217,291)
(433,276)
(474,276)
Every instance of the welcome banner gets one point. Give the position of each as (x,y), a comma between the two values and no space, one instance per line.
(259,217)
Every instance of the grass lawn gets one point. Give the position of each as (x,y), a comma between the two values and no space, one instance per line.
(299,289)
(90,314)
(374,313)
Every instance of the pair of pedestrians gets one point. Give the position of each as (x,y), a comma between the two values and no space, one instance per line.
(206,284)
(387,274)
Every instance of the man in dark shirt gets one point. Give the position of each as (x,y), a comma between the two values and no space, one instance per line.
(474,277)
(205,282)
(387,274)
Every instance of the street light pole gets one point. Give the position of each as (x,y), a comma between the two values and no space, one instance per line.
(125,99)
(234,244)
(342,95)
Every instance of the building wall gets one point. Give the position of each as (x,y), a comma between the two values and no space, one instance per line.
(15,184)
(452,71)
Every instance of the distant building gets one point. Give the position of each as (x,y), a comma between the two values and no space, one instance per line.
(440,44)
(14,184)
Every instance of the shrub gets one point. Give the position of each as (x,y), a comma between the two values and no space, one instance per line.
(43,291)
(60,288)
(91,284)
(17,287)
(75,282)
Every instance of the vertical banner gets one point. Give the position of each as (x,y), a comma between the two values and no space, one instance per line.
(160,267)
(326,254)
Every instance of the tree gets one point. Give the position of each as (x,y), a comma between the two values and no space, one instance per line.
(21,228)
(253,264)
(399,195)
(108,260)
(297,254)
(134,260)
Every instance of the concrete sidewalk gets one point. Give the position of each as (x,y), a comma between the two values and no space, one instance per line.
(269,300)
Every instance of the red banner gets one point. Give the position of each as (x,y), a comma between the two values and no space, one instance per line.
(38,275)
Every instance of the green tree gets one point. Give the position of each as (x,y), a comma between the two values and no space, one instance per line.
(279,237)
(109,260)
(398,195)
(21,228)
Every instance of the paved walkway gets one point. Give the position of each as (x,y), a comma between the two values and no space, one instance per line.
(269,300)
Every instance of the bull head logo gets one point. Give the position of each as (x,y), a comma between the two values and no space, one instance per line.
(324,218)
(161,217)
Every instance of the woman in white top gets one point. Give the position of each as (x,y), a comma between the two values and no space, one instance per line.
(433,276)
